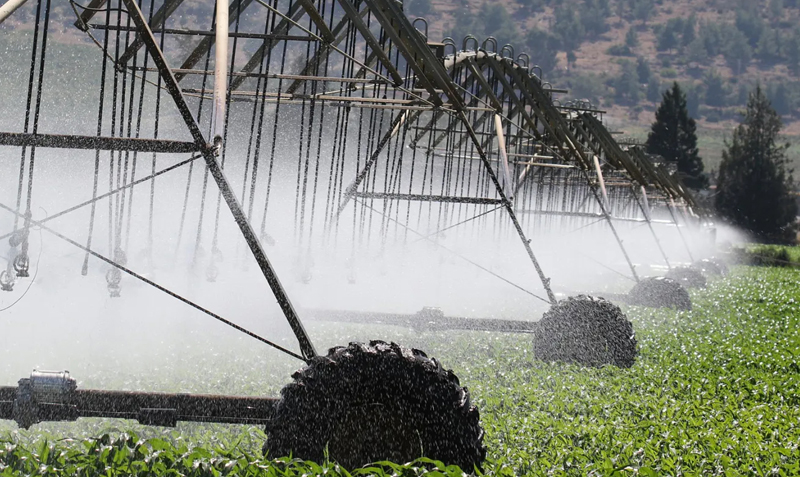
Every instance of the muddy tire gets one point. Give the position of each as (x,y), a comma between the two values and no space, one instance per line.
(689,277)
(378,401)
(660,292)
(585,330)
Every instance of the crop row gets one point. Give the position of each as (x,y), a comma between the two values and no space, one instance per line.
(715,391)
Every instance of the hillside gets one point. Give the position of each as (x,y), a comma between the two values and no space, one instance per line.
(621,54)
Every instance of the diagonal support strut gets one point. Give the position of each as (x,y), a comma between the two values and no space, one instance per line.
(209,154)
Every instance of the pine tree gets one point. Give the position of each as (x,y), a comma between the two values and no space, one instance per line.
(688,33)
(754,184)
(631,38)
(666,39)
(769,46)
(673,137)
(643,10)
(543,47)
(697,51)
(737,51)
(776,9)
(495,21)
(626,85)
(653,89)
(643,70)
(715,89)
(593,14)
(568,29)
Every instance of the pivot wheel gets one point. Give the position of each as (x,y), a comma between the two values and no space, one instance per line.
(660,292)
(379,401)
(687,276)
(585,330)
(711,266)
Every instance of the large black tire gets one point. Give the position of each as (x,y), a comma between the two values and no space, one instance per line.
(585,330)
(660,292)
(373,402)
(687,276)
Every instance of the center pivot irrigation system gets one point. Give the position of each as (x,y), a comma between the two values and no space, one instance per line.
(343,114)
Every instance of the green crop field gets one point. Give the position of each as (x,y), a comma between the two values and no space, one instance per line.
(715,391)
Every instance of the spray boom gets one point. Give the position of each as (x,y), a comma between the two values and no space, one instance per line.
(54,396)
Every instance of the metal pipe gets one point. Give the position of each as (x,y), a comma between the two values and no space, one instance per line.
(550,113)
(509,207)
(157,21)
(671,208)
(644,207)
(220,71)
(428,319)
(203,33)
(501,141)
(9,7)
(306,347)
(53,396)
(351,189)
(88,13)
(62,141)
(600,179)
(428,198)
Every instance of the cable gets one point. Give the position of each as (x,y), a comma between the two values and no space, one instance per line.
(159,287)
(112,192)
(28,109)
(274,135)
(86,27)
(457,254)
(103,71)
(439,231)
(343,53)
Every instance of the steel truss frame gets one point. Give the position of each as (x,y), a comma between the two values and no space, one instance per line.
(469,89)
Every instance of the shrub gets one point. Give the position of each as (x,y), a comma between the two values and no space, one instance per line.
(713,116)
(765,256)
(619,50)
(669,73)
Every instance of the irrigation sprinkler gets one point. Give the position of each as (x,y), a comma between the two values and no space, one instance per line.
(340,121)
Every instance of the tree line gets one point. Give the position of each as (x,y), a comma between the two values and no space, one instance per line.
(753,187)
